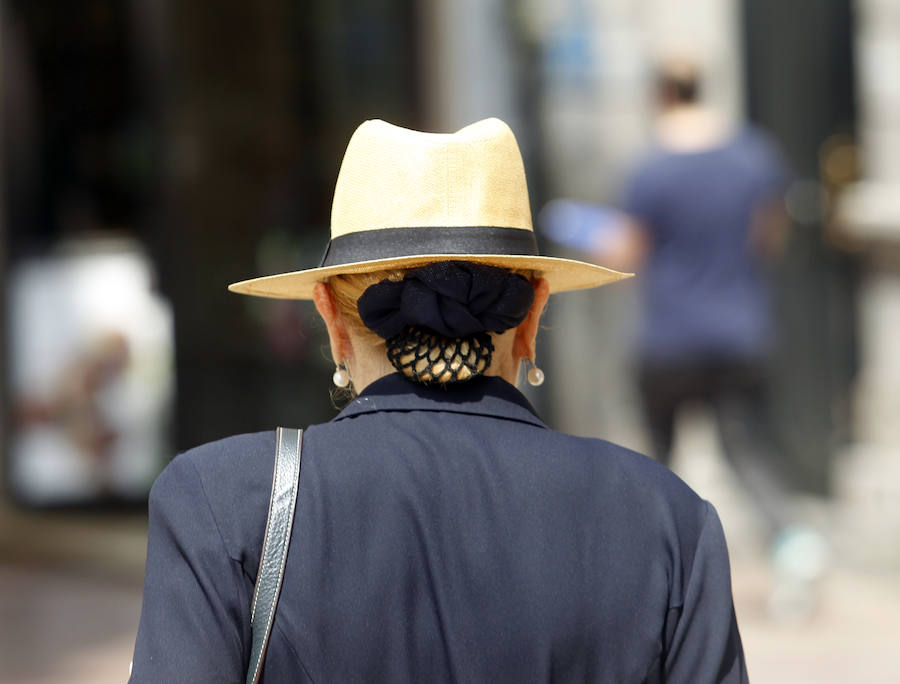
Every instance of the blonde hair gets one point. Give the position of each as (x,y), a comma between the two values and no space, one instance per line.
(348,288)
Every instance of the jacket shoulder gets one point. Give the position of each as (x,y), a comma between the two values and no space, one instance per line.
(639,479)
(234,477)
(629,462)
(230,452)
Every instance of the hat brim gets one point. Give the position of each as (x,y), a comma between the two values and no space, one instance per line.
(562,275)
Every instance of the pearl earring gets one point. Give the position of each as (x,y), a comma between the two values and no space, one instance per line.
(534,374)
(341,377)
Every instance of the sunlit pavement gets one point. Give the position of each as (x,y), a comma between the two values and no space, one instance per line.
(852,637)
(58,628)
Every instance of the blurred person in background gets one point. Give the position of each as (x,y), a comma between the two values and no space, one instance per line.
(705,221)
(442,531)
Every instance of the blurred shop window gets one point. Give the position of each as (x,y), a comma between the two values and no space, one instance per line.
(90,370)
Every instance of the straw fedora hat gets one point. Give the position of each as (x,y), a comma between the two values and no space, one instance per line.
(404,199)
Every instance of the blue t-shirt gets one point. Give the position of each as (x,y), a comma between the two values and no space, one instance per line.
(703,286)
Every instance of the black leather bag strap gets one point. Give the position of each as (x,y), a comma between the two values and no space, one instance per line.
(282,502)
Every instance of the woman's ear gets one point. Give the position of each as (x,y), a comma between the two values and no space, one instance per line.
(526,333)
(341,348)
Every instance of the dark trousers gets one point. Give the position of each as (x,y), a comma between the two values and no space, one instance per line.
(736,392)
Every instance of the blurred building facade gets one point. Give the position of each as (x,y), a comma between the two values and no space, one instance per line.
(213,135)
(868,216)
(867,219)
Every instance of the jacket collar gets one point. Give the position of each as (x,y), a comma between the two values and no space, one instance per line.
(489,396)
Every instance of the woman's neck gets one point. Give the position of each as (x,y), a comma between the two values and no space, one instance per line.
(369,363)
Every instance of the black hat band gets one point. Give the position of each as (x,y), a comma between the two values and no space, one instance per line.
(392,243)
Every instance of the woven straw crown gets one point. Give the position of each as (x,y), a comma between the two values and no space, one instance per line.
(394,177)
(405,198)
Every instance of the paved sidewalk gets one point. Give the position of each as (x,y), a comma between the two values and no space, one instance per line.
(59,628)
(853,637)
(62,629)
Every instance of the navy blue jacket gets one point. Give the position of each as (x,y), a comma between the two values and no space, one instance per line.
(441,535)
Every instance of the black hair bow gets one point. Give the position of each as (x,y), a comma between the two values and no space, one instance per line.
(452,298)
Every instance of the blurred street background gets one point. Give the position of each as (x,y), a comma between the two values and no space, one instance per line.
(154,151)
